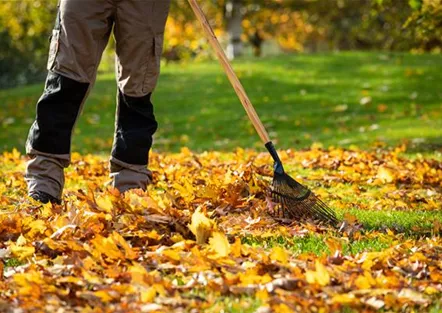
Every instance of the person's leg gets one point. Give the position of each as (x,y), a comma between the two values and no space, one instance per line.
(79,37)
(139,32)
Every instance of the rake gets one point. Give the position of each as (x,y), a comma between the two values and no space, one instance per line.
(292,199)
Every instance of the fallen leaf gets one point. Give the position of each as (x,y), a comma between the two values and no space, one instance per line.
(148,295)
(320,276)
(219,244)
(201,226)
(278,254)
(385,174)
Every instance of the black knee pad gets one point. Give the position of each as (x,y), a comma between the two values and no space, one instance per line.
(57,111)
(135,127)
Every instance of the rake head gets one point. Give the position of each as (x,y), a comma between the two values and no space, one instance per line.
(295,201)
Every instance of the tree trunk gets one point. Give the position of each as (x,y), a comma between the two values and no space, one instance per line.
(234,28)
(256,41)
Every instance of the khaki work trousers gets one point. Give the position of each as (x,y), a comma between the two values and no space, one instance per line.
(80,35)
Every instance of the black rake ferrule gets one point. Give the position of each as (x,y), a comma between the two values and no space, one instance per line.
(278,168)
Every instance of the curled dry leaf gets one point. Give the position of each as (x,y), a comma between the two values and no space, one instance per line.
(201,226)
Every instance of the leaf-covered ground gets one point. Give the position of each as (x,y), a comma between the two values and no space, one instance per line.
(201,238)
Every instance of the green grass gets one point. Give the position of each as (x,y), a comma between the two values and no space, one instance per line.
(301,99)
(13,262)
(407,224)
(235,304)
(410,223)
(314,243)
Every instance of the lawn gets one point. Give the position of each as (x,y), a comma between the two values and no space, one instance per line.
(340,99)
(363,130)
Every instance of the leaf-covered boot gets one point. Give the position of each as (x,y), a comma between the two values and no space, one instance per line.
(44,197)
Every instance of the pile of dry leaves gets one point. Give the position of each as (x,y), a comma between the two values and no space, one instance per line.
(186,243)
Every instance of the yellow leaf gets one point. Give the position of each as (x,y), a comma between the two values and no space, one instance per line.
(106,246)
(279,254)
(177,238)
(320,276)
(148,295)
(186,190)
(282,308)
(36,227)
(70,279)
(430,290)
(159,288)
(262,295)
(385,174)
(209,192)
(21,241)
(346,298)
(235,248)
(91,278)
(21,252)
(201,226)
(138,273)
(171,254)
(333,244)
(364,281)
(24,279)
(105,204)
(129,252)
(29,283)
(46,210)
(219,244)
(250,278)
(103,295)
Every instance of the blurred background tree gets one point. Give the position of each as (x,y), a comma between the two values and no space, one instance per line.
(245,27)
(426,21)
(25,27)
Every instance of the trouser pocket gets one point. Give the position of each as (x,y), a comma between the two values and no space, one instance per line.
(158,51)
(54,41)
(53,48)
(153,64)
(152,67)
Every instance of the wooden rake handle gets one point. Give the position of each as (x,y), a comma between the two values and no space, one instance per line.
(239,89)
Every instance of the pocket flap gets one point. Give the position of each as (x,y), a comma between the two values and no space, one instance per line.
(53,48)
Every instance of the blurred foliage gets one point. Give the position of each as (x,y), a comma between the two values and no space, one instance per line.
(25,27)
(292,25)
(426,20)
(184,38)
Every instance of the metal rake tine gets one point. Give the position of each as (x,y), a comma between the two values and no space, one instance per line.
(322,211)
(289,204)
(326,209)
(313,208)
